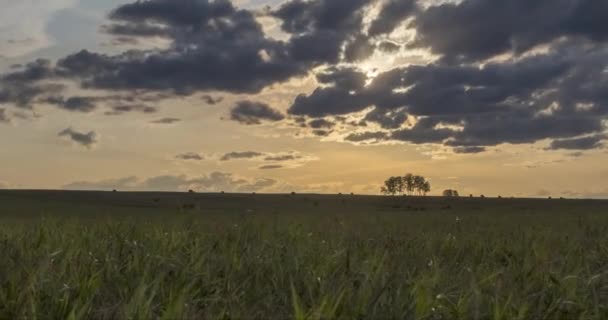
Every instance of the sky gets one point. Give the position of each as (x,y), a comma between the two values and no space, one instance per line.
(486,97)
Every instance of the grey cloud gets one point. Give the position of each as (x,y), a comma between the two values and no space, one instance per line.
(585,143)
(87,140)
(321,124)
(480,29)
(393,13)
(213,182)
(4,118)
(284,157)
(504,102)
(321,133)
(388,119)
(241,155)
(366,136)
(76,104)
(320,28)
(125,108)
(388,47)
(271,167)
(468,150)
(211,100)
(249,112)
(190,156)
(166,121)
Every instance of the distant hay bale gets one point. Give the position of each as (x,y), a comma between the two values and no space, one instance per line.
(114,190)
(293,193)
(190,191)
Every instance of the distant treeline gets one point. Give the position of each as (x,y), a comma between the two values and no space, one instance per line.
(409,184)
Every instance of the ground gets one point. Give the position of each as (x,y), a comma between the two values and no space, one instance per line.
(108,255)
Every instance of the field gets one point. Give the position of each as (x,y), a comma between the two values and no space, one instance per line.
(96,255)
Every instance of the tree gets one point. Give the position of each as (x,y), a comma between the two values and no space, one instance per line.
(392,186)
(408,183)
(426,187)
(419,182)
(450,193)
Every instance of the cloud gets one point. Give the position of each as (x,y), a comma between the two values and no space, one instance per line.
(366,136)
(501,77)
(211,100)
(241,155)
(4,118)
(482,29)
(125,108)
(166,121)
(19,36)
(87,140)
(392,14)
(320,28)
(271,167)
(469,150)
(517,101)
(190,156)
(212,182)
(585,143)
(321,124)
(250,113)
(78,104)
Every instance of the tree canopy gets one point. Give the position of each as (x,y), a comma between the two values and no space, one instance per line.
(408,184)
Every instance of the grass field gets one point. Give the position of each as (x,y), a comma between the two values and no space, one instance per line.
(94,255)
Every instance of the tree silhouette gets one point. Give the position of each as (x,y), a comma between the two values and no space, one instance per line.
(409,184)
(392,186)
(450,193)
(419,182)
(426,187)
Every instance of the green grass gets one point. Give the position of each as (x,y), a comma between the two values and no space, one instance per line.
(143,256)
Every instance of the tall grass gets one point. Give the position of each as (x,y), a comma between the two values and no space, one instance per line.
(383,266)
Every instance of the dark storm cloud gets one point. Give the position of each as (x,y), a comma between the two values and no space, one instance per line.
(360,48)
(22,86)
(166,121)
(480,29)
(469,150)
(320,28)
(190,156)
(461,100)
(241,155)
(271,167)
(285,157)
(366,136)
(338,96)
(517,102)
(210,100)
(250,112)
(584,143)
(387,119)
(4,118)
(215,46)
(76,104)
(321,133)
(84,139)
(392,14)
(321,124)
(125,108)
(388,47)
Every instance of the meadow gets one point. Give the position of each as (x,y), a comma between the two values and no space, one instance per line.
(105,255)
